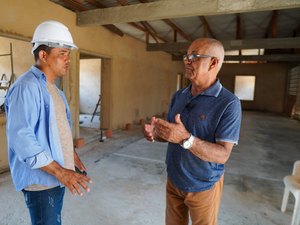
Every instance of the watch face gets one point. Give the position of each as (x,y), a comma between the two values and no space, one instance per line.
(187,144)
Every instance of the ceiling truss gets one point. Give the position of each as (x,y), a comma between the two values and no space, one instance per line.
(140,14)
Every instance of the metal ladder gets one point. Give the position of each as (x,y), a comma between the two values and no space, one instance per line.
(96,107)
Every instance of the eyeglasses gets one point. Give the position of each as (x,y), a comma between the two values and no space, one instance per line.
(193,57)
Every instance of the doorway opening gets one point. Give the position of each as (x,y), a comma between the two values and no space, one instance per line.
(89,96)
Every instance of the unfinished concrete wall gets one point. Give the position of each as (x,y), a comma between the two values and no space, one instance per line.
(270,87)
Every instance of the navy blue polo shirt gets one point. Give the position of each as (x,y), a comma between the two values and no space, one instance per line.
(214,115)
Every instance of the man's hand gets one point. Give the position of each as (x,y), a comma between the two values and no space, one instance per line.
(69,178)
(73,181)
(149,130)
(78,162)
(171,132)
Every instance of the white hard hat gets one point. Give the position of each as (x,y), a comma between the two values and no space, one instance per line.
(52,34)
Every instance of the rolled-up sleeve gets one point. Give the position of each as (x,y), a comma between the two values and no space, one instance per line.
(39,160)
(23,105)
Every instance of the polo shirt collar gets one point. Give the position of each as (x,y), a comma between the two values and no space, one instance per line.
(214,90)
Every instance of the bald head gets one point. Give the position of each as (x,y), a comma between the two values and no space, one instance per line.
(209,46)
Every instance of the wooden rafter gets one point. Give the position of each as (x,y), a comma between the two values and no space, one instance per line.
(270,43)
(268,58)
(110,27)
(178,30)
(136,25)
(272,25)
(122,2)
(149,32)
(238,35)
(169,9)
(152,32)
(96,4)
(174,26)
(175,36)
(207,27)
(76,6)
(146,27)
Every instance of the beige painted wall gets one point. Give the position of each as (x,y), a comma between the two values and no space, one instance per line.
(3,145)
(22,59)
(135,72)
(140,83)
(270,89)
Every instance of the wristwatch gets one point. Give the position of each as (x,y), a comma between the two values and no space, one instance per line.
(188,143)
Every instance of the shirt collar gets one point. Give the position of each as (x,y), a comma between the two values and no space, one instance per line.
(213,90)
(37,72)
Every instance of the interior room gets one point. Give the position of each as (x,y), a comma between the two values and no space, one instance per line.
(90,98)
(129,63)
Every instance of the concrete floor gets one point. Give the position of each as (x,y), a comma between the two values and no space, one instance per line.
(129,179)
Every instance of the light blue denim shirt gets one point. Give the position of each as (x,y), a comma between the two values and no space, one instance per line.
(32,133)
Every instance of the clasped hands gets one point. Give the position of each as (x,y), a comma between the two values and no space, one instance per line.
(160,129)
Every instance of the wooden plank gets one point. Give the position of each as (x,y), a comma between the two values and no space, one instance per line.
(206,27)
(178,30)
(268,58)
(270,43)
(177,8)
(79,7)
(173,26)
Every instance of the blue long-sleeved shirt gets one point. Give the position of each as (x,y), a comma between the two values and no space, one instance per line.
(32,133)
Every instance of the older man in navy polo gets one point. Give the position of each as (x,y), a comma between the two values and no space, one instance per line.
(202,128)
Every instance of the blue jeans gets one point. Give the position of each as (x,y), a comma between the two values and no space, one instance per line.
(45,206)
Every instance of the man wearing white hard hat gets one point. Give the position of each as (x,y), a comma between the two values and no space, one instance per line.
(40,145)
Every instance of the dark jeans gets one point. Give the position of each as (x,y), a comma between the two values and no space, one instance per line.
(45,206)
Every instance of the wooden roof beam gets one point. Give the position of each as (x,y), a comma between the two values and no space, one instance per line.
(207,27)
(238,35)
(270,43)
(176,9)
(137,26)
(146,27)
(272,25)
(238,27)
(173,26)
(149,32)
(178,30)
(79,7)
(268,58)
(96,4)
(124,3)
(152,32)
(74,5)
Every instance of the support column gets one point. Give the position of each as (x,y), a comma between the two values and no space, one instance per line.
(106,95)
(71,90)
